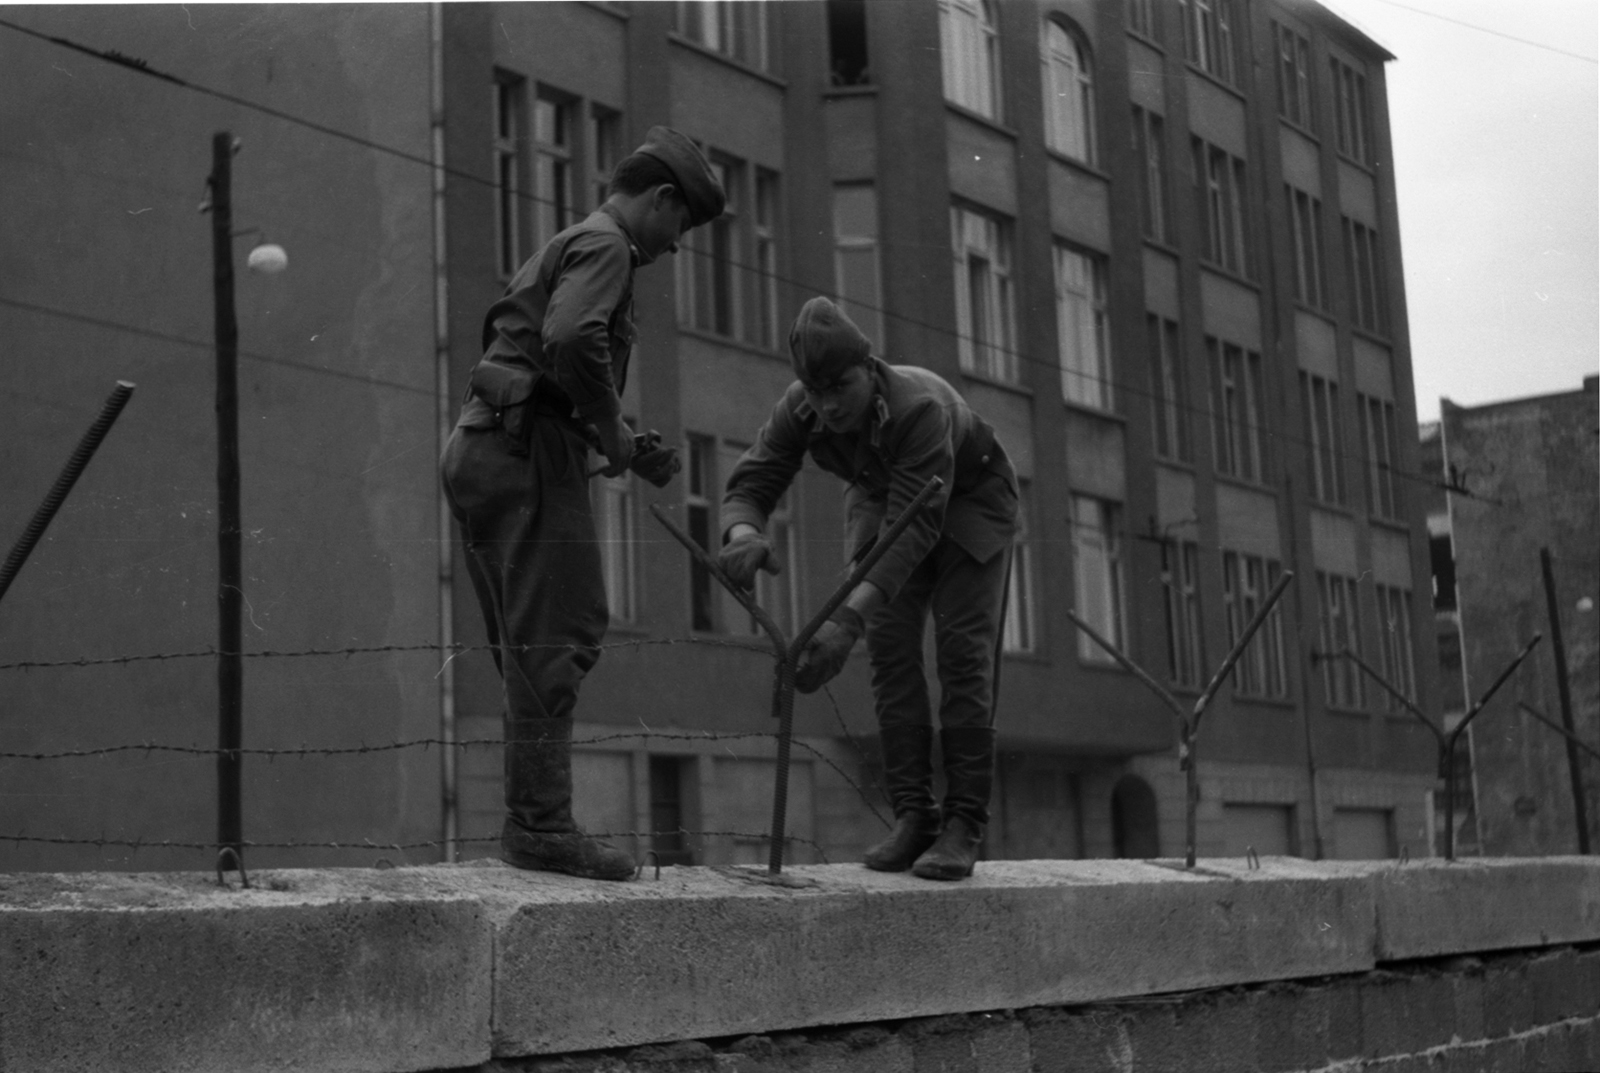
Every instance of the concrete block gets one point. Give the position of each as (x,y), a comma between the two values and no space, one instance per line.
(706,953)
(315,970)
(1093,1041)
(1405,1013)
(1434,908)
(979,1043)
(1507,999)
(1553,977)
(1466,985)
(1588,979)
(1291,1027)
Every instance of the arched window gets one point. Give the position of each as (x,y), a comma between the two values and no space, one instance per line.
(1068,93)
(971,52)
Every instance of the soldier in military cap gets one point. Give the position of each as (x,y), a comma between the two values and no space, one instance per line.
(885,430)
(516,474)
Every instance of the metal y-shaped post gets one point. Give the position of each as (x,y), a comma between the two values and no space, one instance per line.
(787,653)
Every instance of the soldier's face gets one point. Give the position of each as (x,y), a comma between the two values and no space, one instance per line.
(843,403)
(667,222)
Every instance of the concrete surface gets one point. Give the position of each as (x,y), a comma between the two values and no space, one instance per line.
(442,966)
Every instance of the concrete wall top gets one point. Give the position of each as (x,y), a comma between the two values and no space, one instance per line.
(446,966)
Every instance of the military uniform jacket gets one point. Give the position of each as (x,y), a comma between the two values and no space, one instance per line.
(560,336)
(917,427)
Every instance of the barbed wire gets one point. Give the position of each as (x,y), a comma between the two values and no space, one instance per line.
(167,843)
(362,650)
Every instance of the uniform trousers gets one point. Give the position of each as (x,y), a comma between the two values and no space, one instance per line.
(965,598)
(535,565)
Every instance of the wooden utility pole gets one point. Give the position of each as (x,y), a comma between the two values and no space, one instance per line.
(230,592)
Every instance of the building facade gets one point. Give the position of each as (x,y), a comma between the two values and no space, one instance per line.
(1154,243)
(1517,480)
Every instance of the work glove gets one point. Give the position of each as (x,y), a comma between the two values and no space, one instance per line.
(741,557)
(825,654)
(652,461)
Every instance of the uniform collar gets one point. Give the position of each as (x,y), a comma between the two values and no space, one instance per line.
(634,249)
(878,413)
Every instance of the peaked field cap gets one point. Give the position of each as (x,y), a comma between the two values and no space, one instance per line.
(697,182)
(824,343)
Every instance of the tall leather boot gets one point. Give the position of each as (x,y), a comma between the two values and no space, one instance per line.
(969,778)
(908,770)
(539,832)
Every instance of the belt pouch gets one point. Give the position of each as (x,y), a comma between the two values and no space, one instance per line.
(508,390)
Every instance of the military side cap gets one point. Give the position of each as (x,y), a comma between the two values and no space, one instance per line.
(824,343)
(697,182)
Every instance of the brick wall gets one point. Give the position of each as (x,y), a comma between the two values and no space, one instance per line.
(1525,1011)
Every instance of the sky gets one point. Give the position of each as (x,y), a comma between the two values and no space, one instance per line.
(1495,144)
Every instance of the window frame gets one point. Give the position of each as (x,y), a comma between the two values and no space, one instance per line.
(1082,303)
(1069,125)
(508,119)
(1339,628)
(1168,394)
(1019,630)
(970,56)
(1095,542)
(1149,144)
(614,504)
(1185,630)
(992,353)
(553,159)
(1236,409)
(1261,672)
(1319,401)
(868,316)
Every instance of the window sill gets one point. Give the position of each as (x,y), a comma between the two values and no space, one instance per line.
(1106,666)
(1076,165)
(1003,385)
(721,57)
(1282,704)
(1174,464)
(1346,711)
(978,117)
(1216,81)
(1302,306)
(1038,659)
(1223,272)
(868,89)
(1337,509)
(1241,482)
(1093,411)
(1370,336)
(1395,525)
(731,343)
(1298,129)
(1146,39)
(1368,169)
(615,10)
(1161,245)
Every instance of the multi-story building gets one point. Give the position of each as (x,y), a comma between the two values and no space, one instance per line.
(1518,481)
(1154,242)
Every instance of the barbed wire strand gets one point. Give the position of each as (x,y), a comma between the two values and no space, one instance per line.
(119,59)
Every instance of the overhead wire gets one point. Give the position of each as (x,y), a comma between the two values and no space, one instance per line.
(142,67)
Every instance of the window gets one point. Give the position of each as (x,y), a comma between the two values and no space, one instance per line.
(1209,27)
(764,284)
(1394,631)
(1319,401)
(1180,584)
(1097,573)
(1377,434)
(985,319)
(1220,189)
(970,49)
(1167,394)
(1236,409)
(1294,76)
(856,272)
(1364,277)
(552,166)
(1246,582)
(510,93)
(703,494)
(668,809)
(1305,227)
(736,28)
(1339,630)
(707,281)
(1142,18)
(1082,335)
(605,149)
(1068,93)
(613,504)
(1352,126)
(1017,634)
(847,43)
(1150,148)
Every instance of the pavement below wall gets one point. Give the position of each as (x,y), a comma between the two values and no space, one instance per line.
(447,966)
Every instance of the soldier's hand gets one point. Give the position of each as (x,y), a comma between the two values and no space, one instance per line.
(825,654)
(616,442)
(746,553)
(652,461)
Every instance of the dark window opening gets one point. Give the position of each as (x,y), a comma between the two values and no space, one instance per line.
(668,838)
(1444,572)
(847,43)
